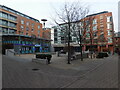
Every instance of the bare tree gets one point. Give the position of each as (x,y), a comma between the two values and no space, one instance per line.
(71,12)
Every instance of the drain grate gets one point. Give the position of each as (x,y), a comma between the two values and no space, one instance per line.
(35,69)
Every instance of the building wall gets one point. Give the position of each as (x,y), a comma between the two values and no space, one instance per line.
(104,30)
(97,32)
(21,28)
(22,32)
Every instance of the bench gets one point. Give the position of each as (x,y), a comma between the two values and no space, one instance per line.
(43,56)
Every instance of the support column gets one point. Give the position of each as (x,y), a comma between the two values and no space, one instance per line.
(98,48)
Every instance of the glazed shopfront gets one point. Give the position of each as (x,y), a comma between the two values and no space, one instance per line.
(25,44)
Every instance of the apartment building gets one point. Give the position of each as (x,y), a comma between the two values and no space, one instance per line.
(22,33)
(97,32)
(117,40)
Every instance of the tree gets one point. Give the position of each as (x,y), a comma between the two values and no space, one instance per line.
(69,13)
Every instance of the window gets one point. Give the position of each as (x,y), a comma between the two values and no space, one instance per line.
(109,19)
(55,30)
(22,33)
(26,33)
(88,29)
(27,29)
(87,35)
(101,17)
(22,21)
(0,29)
(109,32)
(81,24)
(109,40)
(4,15)
(27,23)
(0,14)
(12,25)
(55,39)
(95,34)
(109,26)
(4,23)
(38,27)
(0,22)
(38,31)
(38,36)
(32,29)
(32,24)
(22,27)
(5,30)
(12,17)
(87,22)
(95,21)
(94,27)
(11,31)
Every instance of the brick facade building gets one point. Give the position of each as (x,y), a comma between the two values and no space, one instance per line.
(97,31)
(23,31)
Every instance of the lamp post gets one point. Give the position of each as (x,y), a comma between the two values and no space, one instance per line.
(19,43)
(44,20)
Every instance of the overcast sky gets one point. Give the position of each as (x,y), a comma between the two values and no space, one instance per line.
(40,9)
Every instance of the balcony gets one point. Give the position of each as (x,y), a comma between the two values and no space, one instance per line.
(8,20)
(5,26)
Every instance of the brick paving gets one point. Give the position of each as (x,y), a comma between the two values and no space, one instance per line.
(95,73)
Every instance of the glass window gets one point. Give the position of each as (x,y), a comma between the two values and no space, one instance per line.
(27,28)
(21,32)
(38,27)
(109,26)
(11,31)
(0,29)
(109,40)
(4,15)
(27,23)
(109,19)
(32,29)
(32,24)
(22,21)
(87,22)
(4,23)
(94,27)
(5,30)
(12,25)
(87,35)
(101,17)
(5,8)
(95,34)
(0,14)
(26,33)
(38,31)
(22,27)
(0,22)
(88,29)
(38,36)
(95,21)
(12,17)
(109,32)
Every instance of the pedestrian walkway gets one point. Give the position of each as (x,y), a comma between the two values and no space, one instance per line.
(61,62)
(96,73)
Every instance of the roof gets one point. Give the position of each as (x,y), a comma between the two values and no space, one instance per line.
(97,13)
(18,13)
(24,36)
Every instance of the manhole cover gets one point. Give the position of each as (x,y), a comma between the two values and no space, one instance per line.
(35,69)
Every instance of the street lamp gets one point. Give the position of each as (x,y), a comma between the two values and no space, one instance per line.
(20,42)
(44,20)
